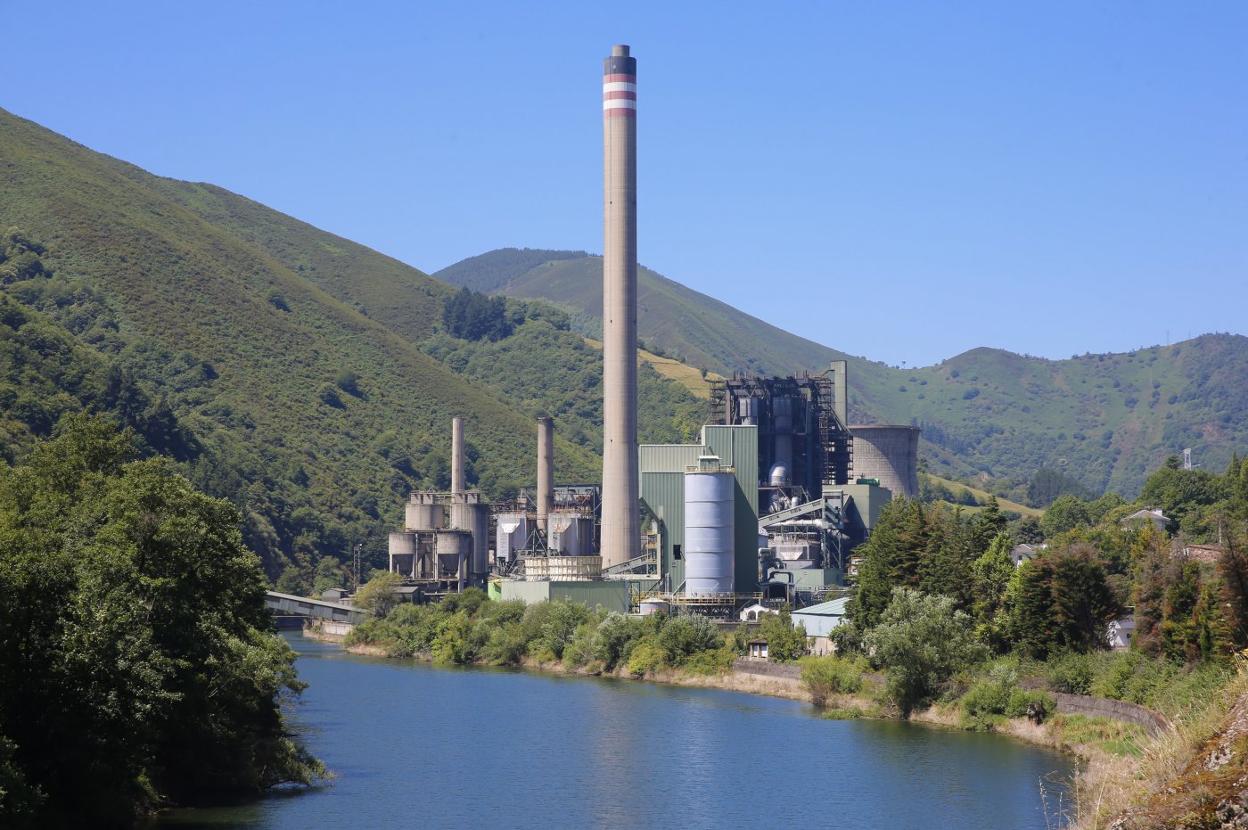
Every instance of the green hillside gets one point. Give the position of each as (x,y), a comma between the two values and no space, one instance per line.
(989,417)
(300,371)
(672,319)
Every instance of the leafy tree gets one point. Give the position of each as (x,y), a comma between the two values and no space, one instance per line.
(685,636)
(329,574)
(378,594)
(1027,531)
(889,558)
(1182,494)
(992,573)
(921,641)
(784,642)
(1062,602)
(135,619)
(470,315)
(1047,485)
(1065,513)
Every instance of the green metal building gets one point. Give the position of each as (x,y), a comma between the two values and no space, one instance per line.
(662,469)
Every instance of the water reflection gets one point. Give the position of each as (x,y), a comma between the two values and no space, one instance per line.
(413,745)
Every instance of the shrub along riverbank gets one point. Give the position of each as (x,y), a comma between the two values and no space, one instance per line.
(468,629)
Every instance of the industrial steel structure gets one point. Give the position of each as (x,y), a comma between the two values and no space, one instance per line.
(803,444)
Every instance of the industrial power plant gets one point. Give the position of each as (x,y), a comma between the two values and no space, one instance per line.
(766,506)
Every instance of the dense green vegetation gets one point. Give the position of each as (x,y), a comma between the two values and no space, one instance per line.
(1091,423)
(138,660)
(937,595)
(468,629)
(287,370)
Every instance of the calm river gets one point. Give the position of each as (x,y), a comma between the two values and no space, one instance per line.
(415,746)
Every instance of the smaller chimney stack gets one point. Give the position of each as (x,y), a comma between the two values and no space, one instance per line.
(545,471)
(457,455)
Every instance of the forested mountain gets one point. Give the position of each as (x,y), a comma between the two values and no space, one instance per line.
(311,380)
(304,377)
(988,416)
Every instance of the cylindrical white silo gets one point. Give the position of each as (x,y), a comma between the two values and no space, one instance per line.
(709,528)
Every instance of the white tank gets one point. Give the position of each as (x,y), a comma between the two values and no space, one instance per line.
(511,535)
(709,531)
(654,606)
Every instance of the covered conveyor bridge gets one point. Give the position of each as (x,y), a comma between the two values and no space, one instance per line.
(292,606)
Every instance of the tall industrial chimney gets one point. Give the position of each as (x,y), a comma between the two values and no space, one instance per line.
(620,519)
(545,472)
(457,454)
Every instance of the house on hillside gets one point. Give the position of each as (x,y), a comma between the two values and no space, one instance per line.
(1119,633)
(1152,515)
(819,621)
(1023,553)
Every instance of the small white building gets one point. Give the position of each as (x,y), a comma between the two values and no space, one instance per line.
(755,611)
(1151,515)
(1119,633)
(1024,553)
(819,621)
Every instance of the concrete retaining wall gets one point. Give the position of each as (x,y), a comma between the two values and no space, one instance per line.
(1152,722)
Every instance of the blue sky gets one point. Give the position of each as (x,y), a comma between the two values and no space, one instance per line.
(899,180)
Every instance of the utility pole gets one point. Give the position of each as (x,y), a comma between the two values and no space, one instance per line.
(359,546)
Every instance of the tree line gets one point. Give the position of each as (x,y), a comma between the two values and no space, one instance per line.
(138,661)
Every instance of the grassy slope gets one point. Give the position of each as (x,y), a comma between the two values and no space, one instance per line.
(669,367)
(190,269)
(989,416)
(983,497)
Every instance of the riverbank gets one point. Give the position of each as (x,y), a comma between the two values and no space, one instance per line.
(1123,767)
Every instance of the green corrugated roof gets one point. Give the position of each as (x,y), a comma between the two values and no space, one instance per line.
(832,608)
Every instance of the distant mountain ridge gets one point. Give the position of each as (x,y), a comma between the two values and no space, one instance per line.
(988,414)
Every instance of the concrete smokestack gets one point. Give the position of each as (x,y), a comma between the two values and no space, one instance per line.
(545,472)
(620,522)
(457,455)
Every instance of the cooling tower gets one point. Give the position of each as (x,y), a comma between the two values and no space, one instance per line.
(889,453)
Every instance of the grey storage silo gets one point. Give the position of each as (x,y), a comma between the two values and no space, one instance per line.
(890,453)
(709,528)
